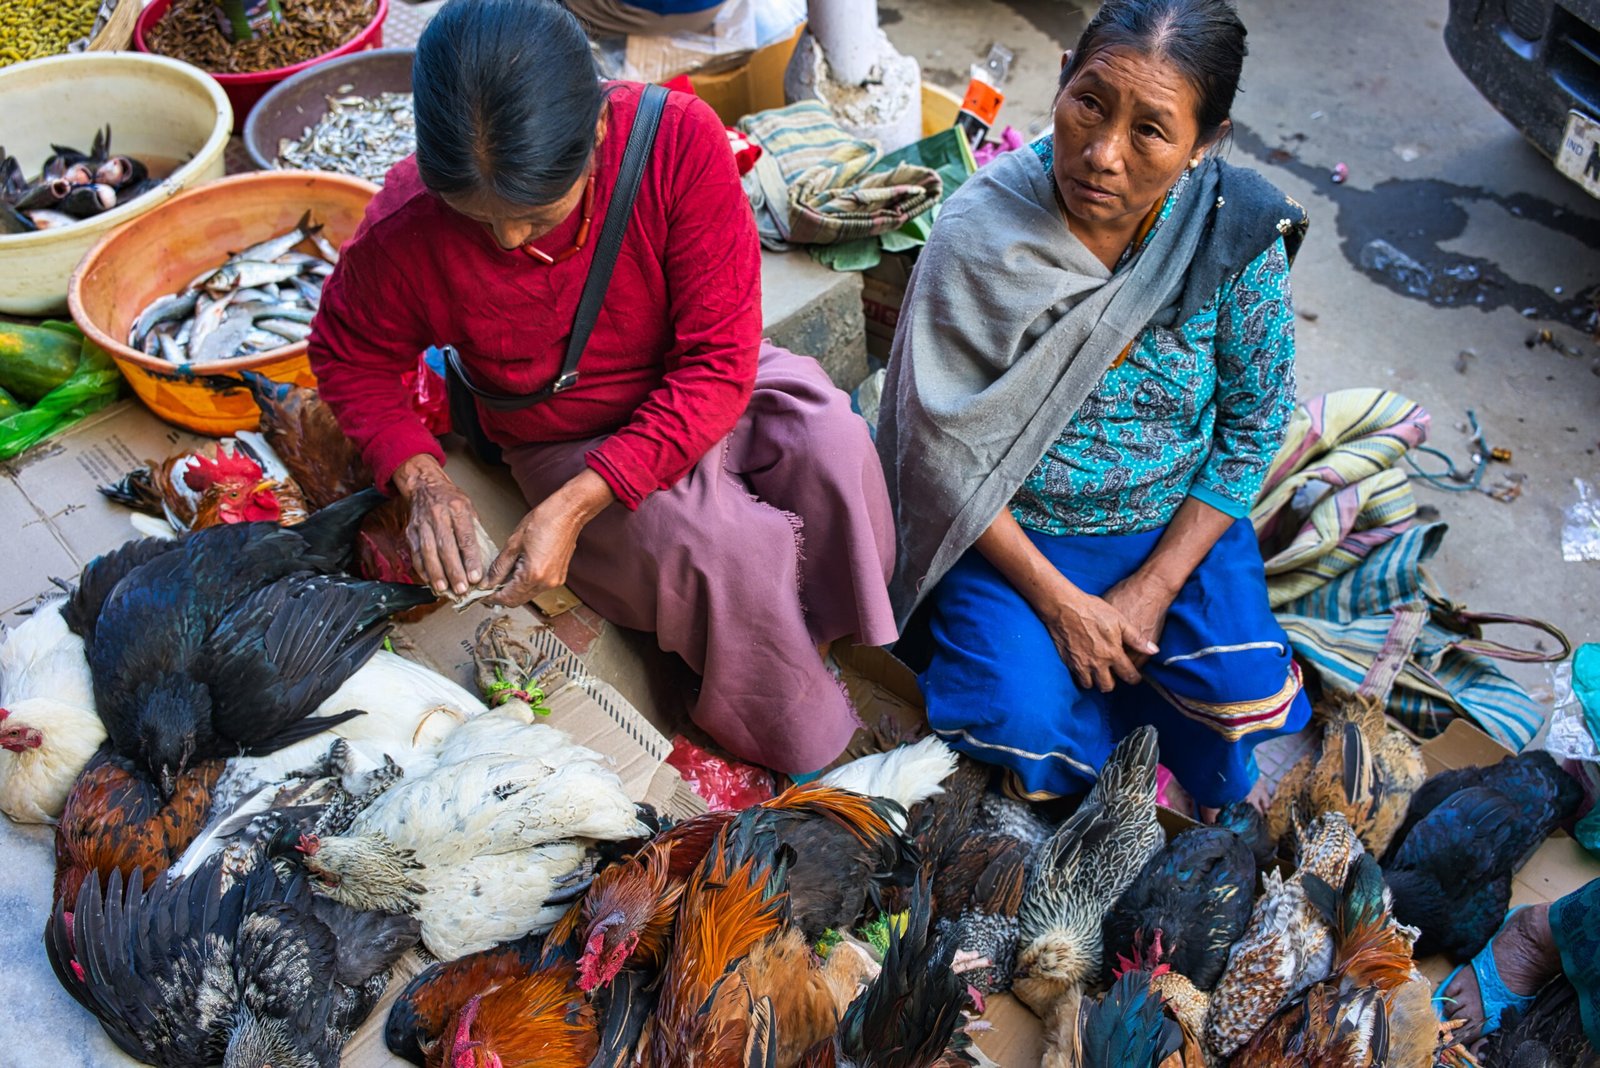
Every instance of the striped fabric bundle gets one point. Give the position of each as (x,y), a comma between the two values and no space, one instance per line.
(1337,526)
(830,192)
(1338,629)
(1335,492)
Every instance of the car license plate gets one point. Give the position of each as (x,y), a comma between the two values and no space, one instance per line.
(1579,157)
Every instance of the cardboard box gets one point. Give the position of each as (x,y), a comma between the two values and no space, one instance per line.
(883,291)
(752,86)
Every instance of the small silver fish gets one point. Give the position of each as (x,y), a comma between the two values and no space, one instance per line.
(171,351)
(224,342)
(247,273)
(208,316)
(161,310)
(272,248)
(286,328)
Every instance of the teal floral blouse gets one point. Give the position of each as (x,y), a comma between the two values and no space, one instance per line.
(1194,412)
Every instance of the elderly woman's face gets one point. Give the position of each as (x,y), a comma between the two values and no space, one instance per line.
(1126,126)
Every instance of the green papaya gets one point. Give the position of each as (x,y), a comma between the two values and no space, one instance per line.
(34,360)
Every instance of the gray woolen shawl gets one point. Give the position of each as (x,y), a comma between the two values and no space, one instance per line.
(1009,323)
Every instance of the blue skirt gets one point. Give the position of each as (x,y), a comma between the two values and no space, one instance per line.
(1223,682)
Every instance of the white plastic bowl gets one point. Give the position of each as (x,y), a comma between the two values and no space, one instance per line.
(159,109)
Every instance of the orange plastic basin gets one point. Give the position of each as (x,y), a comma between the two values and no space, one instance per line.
(162,251)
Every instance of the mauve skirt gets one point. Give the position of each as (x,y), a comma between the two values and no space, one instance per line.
(778,540)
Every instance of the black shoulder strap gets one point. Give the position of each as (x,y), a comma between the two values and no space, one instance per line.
(641,141)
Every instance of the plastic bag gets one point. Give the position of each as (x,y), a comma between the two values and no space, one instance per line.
(1580,534)
(426,388)
(725,785)
(95,384)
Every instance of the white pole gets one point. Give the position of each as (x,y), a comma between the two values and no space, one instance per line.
(848,32)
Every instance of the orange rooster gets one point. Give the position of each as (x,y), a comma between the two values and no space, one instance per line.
(537,1021)
(1342,1021)
(212,486)
(841,841)
(420,1015)
(707,1016)
(114,820)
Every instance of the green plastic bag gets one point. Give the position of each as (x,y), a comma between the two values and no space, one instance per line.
(95,384)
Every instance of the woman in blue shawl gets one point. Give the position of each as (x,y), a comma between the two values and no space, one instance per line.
(1092,372)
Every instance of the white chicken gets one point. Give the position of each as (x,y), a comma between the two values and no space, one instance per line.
(410,710)
(477,846)
(909,774)
(48,726)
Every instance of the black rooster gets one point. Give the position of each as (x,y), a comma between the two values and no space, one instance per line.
(221,643)
(910,1015)
(1194,897)
(1451,876)
(204,969)
(1549,794)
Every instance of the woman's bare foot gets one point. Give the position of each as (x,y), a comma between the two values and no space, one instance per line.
(1526,957)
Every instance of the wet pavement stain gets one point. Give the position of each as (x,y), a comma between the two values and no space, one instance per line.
(1393,232)
(1060,20)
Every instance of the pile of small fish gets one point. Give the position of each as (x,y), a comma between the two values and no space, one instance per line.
(363,136)
(73,185)
(262,299)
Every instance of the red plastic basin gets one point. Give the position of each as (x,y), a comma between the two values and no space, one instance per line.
(245,89)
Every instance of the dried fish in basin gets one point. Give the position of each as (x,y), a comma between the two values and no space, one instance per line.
(263,298)
(362,136)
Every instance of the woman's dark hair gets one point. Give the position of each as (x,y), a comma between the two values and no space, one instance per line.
(506,98)
(1203,38)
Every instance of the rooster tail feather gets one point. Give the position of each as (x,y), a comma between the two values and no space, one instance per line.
(330,533)
(1128,1027)
(263,390)
(1359,774)
(623,1006)
(761,1048)
(136,490)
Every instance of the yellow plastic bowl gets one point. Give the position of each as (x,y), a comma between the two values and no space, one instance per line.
(161,251)
(160,110)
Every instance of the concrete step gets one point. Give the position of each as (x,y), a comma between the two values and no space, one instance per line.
(815,311)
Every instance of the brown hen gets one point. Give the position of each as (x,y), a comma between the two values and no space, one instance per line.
(305,434)
(1342,1021)
(114,820)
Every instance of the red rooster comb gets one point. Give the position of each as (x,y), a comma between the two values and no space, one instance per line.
(226,466)
(309,844)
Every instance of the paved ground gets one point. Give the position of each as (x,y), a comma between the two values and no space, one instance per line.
(1434,170)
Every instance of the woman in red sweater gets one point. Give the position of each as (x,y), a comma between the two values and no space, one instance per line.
(695,481)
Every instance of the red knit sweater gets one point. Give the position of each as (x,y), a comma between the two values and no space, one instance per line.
(669,367)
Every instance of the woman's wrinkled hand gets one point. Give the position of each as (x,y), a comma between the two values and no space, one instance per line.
(536,556)
(442,530)
(1096,641)
(1144,602)
(539,551)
